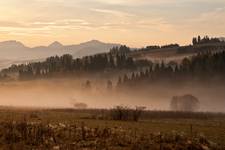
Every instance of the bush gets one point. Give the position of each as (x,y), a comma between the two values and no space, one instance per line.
(125,113)
(80,105)
(137,112)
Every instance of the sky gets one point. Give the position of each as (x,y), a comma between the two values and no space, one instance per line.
(136,23)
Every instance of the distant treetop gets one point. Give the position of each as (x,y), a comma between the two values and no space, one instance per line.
(204,40)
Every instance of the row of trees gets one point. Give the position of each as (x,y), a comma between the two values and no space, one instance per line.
(195,41)
(203,66)
(120,58)
(116,59)
(120,50)
(153,47)
(204,40)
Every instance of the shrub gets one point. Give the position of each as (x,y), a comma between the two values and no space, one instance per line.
(79,105)
(126,113)
(137,112)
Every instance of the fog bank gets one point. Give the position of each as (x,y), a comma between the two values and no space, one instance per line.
(65,93)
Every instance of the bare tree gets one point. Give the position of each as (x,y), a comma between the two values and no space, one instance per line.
(109,85)
(137,112)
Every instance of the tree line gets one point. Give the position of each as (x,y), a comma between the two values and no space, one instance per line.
(202,67)
(119,58)
(116,59)
(204,40)
(196,41)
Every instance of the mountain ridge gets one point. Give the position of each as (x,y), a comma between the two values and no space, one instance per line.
(15,51)
(55,44)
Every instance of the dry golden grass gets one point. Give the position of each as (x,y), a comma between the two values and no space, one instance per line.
(68,129)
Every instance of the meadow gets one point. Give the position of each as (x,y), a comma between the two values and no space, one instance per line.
(25,128)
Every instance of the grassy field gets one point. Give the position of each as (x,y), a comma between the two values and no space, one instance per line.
(80,129)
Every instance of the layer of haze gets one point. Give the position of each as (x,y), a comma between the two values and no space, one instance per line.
(65,93)
(132,22)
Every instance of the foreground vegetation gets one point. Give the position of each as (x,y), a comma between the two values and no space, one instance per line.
(84,129)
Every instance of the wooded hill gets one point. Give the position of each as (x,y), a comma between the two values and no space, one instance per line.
(208,60)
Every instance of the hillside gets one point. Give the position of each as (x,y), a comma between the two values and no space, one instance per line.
(176,53)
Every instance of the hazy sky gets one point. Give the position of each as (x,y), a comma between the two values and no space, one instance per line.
(132,22)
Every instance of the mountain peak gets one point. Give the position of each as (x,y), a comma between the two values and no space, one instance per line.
(55,44)
(93,42)
(13,43)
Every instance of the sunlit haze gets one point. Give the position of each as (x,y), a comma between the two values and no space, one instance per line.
(112,74)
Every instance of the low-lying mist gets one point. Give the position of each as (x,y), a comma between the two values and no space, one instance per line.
(66,93)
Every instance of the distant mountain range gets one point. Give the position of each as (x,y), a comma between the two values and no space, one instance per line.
(15,52)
